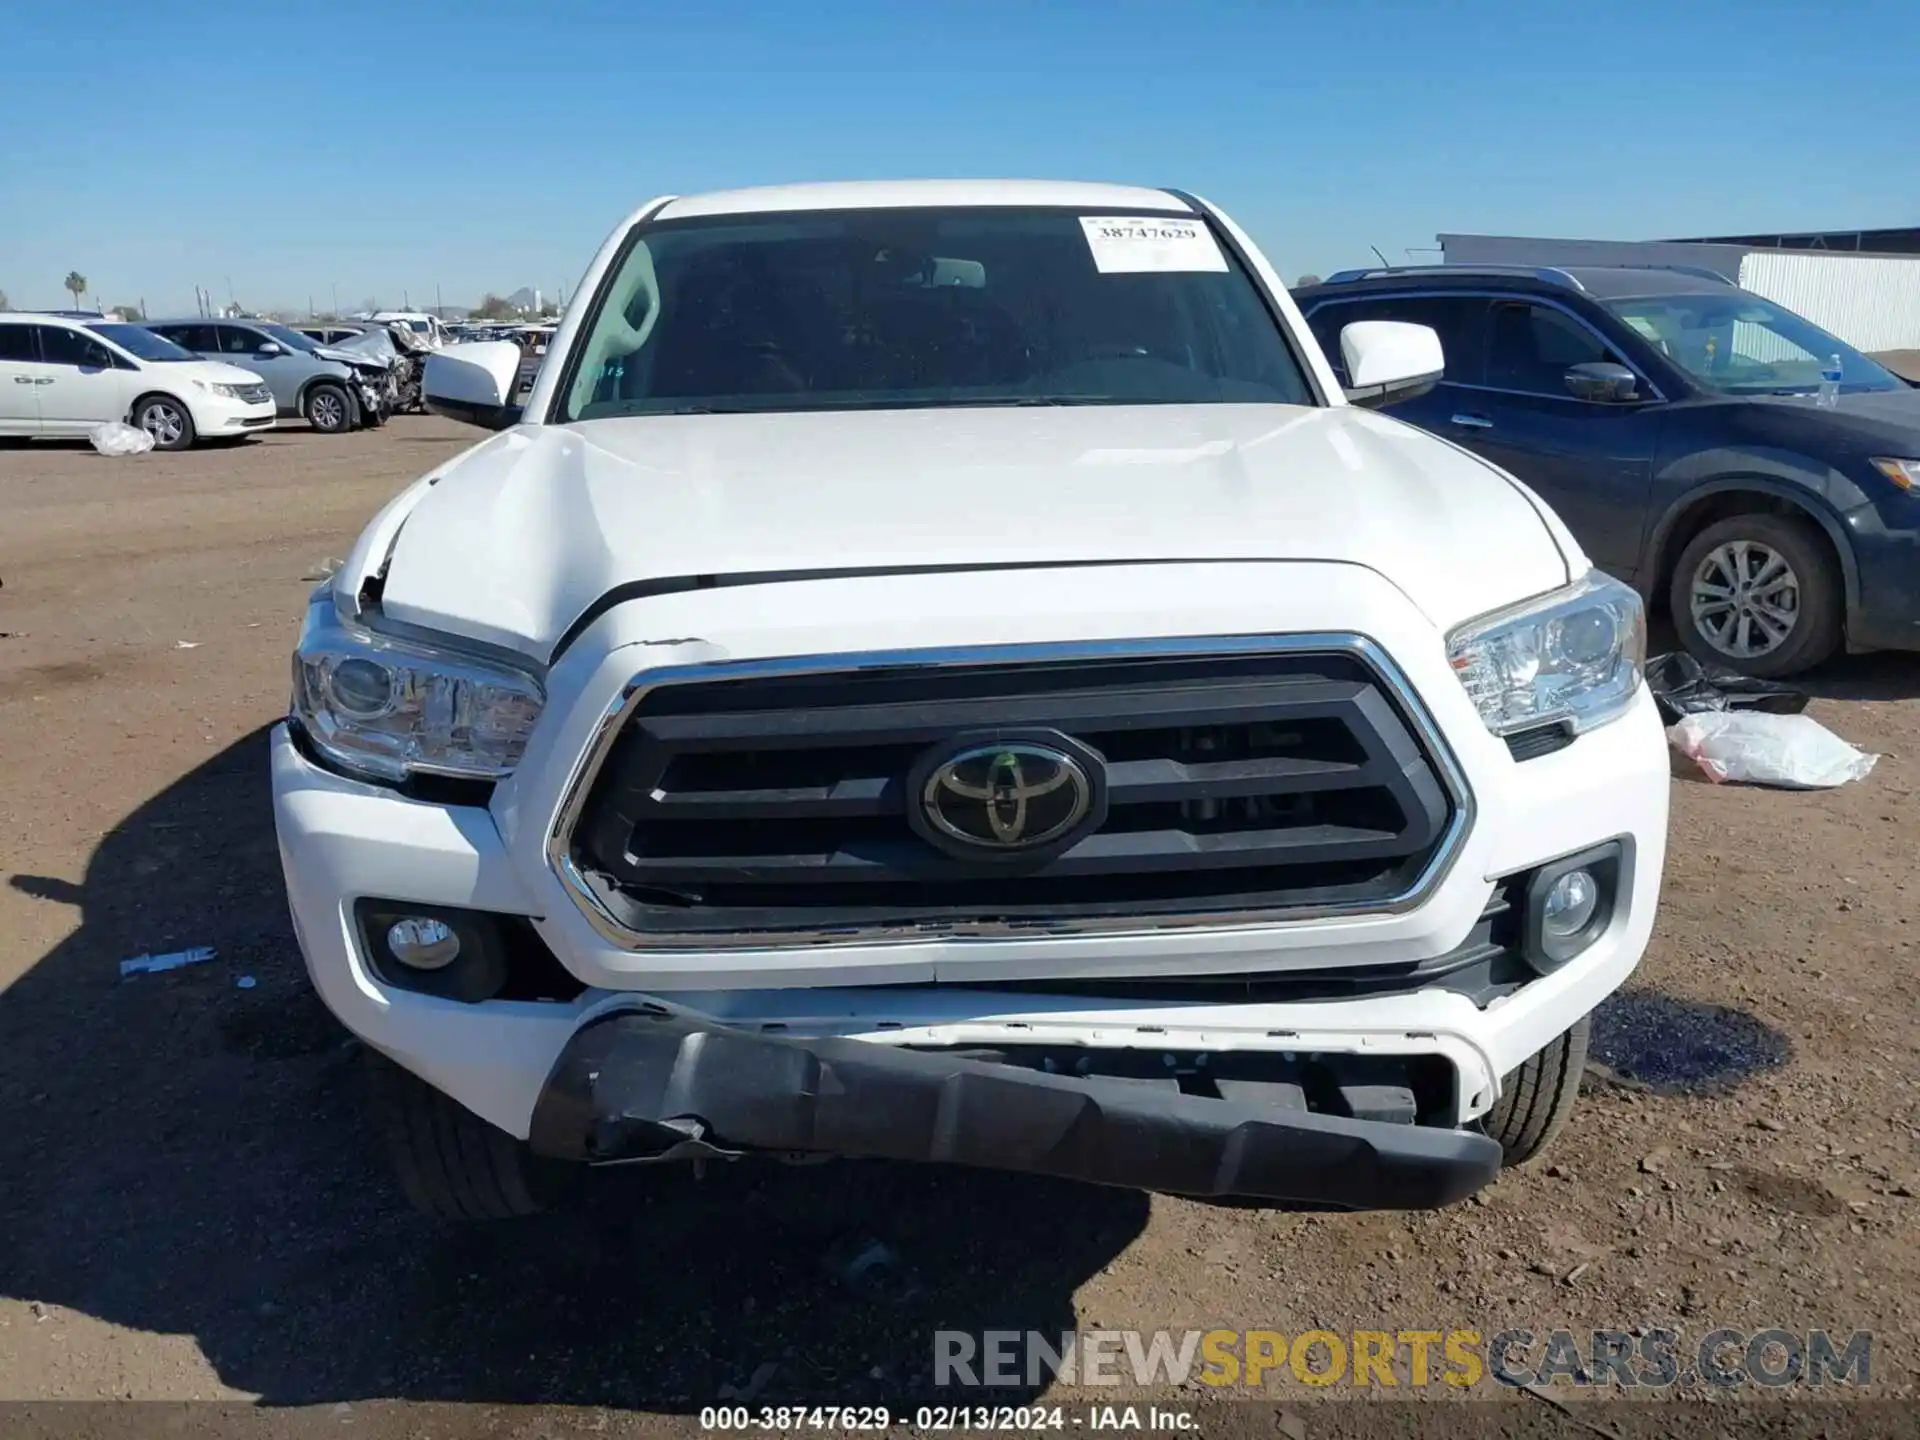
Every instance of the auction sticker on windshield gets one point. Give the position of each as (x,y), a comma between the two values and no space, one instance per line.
(1133,244)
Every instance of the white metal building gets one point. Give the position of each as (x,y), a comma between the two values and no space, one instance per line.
(1870,301)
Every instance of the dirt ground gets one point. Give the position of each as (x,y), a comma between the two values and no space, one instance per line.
(191,1208)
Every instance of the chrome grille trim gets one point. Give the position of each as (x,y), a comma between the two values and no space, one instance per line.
(608,729)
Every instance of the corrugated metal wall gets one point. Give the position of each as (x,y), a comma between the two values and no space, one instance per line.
(1871,302)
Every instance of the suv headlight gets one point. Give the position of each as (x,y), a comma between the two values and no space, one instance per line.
(232,392)
(387,709)
(1904,473)
(1572,655)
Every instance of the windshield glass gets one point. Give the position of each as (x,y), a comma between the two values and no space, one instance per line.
(1738,343)
(927,307)
(287,336)
(143,343)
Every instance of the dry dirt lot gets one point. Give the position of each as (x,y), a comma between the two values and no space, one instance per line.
(191,1208)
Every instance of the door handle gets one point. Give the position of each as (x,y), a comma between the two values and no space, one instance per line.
(1473,422)
(44,380)
(25,380)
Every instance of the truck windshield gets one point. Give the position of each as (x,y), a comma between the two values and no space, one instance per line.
(1740,344)
(876,309)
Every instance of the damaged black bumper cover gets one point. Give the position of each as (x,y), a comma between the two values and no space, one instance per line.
(634,1085)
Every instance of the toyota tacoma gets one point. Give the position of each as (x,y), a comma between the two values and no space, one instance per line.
(942,671)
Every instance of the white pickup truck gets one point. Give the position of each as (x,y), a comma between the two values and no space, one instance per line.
(941,671)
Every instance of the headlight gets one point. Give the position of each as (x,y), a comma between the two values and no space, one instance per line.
(232,392)
(1574,655)
(1904,473)
(388,709)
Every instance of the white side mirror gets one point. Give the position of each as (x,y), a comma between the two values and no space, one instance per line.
(1389,360)
(474,383)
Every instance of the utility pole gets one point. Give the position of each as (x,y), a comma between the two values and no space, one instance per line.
(336,299)
(406,299)
(439,306)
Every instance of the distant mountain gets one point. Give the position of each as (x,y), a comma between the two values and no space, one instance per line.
(523,298)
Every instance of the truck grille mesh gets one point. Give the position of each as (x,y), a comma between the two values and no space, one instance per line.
(1263,782)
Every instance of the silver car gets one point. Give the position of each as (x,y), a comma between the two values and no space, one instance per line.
(332,392)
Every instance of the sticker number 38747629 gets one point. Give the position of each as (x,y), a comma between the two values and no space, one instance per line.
(1131,244)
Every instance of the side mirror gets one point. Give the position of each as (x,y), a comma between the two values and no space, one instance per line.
(1602,381)
(1389,361)
(474,383)
(270,348)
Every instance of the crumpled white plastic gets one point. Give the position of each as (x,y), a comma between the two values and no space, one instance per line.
(1793,751)
(118,438)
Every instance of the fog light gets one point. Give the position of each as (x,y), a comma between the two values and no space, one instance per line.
(423,943)
(1570,903)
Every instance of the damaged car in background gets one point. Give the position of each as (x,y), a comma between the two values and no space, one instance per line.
(395,346)
(332,390)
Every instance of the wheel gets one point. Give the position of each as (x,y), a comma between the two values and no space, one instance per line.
(1759,594)
(328,409)
(1536,1099)
(166,420)
(451,1163)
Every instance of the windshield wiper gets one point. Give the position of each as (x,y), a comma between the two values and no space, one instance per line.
(1016,401)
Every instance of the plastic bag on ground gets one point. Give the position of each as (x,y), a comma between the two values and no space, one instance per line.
(117,438)
(1796,752)
(1683,686)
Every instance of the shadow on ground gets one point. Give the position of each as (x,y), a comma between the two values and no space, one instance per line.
(184,1155)
(1883,675)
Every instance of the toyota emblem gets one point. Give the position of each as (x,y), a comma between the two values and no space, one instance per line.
(1007,797)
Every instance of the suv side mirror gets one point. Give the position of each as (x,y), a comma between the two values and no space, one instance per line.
(270,348)
(1389,361)
(474,383)
(1602,381)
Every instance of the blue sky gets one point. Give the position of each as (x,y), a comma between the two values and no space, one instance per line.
(392,147)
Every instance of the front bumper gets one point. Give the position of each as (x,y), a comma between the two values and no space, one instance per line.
(1887,562)
(641,1085)
(219,415)
(342,840)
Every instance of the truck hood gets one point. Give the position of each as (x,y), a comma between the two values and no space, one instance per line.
(515,539)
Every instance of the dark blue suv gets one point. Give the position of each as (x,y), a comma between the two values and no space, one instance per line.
(1688,434)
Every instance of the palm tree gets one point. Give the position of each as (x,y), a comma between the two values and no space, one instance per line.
(77,283)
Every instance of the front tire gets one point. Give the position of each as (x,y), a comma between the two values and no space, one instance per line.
(166,419)
(452,1164)
(1536,1099)
(1760,594)
(328,409)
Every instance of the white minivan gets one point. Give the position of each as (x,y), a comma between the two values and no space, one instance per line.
(61,377)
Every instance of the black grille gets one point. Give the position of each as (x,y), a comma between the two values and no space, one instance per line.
(1257,782)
